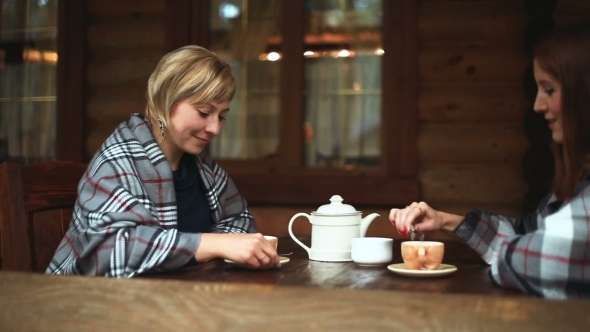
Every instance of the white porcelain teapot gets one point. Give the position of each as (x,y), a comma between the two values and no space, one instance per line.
(332,227)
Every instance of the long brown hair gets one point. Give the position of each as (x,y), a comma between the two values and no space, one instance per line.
(565,55)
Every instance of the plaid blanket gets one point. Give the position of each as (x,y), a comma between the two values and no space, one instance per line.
(124,221)
(546,253)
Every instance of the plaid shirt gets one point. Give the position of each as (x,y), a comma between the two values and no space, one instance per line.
(124,221)
(546,253)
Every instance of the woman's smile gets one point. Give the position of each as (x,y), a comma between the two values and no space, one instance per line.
(202,140)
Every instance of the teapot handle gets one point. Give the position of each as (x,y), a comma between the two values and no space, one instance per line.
(301,214)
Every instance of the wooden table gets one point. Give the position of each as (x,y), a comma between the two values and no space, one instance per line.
(35,302)
(472,276)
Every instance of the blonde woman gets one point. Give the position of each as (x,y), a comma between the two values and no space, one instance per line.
(150,200)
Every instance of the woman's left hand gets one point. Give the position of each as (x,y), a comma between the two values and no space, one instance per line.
(252,250)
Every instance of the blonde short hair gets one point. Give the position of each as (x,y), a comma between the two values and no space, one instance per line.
(190,73)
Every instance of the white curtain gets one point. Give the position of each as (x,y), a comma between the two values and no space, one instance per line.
(343,108)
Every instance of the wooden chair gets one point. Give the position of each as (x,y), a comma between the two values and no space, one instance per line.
(36,204)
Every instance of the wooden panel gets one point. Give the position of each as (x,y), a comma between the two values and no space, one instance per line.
(106,125)
(471,143)
(108,106)
(14,243)
(55,191)
(126,8)
(128,34)
(479,104)
(121,92)
(576,8)
(122,71)
(48,229)
(297,189)
(104,111)
(513,210)
(570,11)
(460,62)
(472,183)
(110,54)
(106,115)
(400,38)
(94,140)
(564,20)
(36,204)
(472,21)
(126,39)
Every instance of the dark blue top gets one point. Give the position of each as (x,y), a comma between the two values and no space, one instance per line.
(193,211)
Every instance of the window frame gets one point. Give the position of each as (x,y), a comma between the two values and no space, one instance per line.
(71,81)
(283,179)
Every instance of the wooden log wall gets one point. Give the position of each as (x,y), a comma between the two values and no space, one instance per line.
(471,103)
(471,140)
(126,39)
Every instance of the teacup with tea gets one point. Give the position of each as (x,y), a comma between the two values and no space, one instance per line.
(422,255)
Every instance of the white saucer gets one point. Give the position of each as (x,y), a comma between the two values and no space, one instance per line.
(282,259)
(401,269)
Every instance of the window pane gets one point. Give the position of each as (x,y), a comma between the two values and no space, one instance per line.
(246,33)
(12,19)
(28,77)
(343,83)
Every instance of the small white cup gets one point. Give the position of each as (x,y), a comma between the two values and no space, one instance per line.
(371,250)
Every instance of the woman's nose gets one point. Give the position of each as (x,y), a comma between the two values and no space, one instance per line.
(213,127)
(539,105)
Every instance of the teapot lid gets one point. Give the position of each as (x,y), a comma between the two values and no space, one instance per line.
(336,207)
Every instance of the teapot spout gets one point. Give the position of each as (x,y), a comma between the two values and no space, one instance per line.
(366,222)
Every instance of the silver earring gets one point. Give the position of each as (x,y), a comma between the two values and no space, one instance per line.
(162,129)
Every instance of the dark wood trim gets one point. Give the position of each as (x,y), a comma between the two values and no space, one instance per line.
(408,165)
(187,22)
(200,23)
(28,234)
(71,81)
(292,85)
(13,235)
(400,88)
(178,23)
(43,192)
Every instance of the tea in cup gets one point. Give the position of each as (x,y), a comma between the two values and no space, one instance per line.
(273,240)
(422,255)
(371,250)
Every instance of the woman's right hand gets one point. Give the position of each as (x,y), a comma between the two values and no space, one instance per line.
(423,218)
(249,249)
(419,215)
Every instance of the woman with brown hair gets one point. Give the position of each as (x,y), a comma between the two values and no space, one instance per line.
(546,253)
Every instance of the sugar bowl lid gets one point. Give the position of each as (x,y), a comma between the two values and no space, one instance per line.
(336,207)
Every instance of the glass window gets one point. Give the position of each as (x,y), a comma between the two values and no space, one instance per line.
(342,78)
(308,112)
(343,83)
(246,34)
(28,74)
